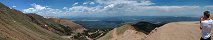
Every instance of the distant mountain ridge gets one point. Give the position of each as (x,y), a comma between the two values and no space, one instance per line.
(112,22)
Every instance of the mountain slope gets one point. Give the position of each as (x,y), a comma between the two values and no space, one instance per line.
(125,32)
(75,27)
(170,31)
(49,24)
(14,25)
(185,30)
(136,31)
(177,31)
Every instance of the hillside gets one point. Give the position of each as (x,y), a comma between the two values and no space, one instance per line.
(125,32)
(15,25)
(170,31)
(185,30)
(136,31)
(75,27)
(177,31)
(56,25)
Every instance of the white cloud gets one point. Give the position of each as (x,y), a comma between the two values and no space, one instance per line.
(13,6)
(75,4)
(65,11)
(119,8)
(143,8)
(85,3)
(170,8)
(91,3)
(38,7)
(42,10)
(132,2)
(145,3)
(109,6)
(211,6)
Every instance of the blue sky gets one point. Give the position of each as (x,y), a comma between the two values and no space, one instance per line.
(99,8)
(23,4)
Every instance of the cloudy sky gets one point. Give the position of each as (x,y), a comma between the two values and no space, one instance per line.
(103,8)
